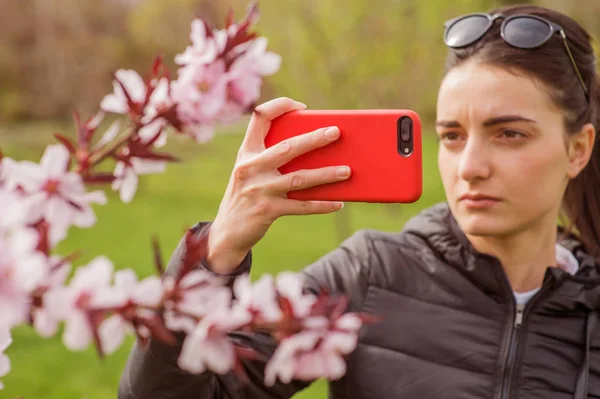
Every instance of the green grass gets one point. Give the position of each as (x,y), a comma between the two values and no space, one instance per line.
(165,205)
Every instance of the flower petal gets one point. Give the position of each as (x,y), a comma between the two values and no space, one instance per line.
(112,333)
(148,292)
(55,160)
(78,333)
(44,323)
(109,135)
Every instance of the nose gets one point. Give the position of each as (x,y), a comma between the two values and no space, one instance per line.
(474,163)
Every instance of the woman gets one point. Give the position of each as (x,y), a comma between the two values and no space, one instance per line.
(481,297)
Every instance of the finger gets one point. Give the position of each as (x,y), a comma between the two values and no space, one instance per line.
(260,122)
(296,207)
(307,178)
(283,152)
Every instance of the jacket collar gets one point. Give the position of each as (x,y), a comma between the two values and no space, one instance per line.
(438,227)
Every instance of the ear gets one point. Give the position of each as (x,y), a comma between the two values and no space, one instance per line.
(581,146)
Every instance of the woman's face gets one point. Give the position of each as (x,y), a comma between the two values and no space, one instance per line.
(502,155)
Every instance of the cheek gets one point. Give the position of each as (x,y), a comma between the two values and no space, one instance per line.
(447,168)
(535,177)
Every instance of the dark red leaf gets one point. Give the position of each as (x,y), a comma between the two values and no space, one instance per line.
(157,257)
(239,38)
(286,306)
(137,149)
(77,121)
(196,249)
(340,307)
(243,352)
(99,178)
(90,126)
(66,142)
(208,29)
(95,317)
(67,259)
(43,229)
(94,121)
(171,116)
(75,205)
(158,67)
(252,14)
(367,318)
(242,35)
(229,19)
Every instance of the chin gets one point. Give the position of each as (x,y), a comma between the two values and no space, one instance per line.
(485,225)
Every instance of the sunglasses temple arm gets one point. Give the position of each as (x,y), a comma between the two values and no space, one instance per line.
(564,37)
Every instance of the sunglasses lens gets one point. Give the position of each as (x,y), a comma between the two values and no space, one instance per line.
(466,31)
(526,32)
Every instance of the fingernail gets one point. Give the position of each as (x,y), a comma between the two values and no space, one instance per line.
(340,205)
(300,105)
(332,133)
(342,171)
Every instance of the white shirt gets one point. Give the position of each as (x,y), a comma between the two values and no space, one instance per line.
(565,259)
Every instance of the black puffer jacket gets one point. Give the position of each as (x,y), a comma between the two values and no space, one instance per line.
(449,329)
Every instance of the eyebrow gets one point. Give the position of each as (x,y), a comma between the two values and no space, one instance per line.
(489,122)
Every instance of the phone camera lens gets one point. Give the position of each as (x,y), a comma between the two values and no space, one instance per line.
(404,136)
(405,129)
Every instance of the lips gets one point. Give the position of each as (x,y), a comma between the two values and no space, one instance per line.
(478,197)
(478,201)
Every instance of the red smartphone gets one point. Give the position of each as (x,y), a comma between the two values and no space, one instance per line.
(381,147)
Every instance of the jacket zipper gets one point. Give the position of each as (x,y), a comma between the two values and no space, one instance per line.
(509,363)
(509,360)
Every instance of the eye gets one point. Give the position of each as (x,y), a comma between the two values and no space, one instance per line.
(449,136)
(512,134)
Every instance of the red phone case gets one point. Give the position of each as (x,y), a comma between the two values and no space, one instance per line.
(368,145)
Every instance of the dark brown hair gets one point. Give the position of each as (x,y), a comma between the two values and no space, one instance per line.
(551,65)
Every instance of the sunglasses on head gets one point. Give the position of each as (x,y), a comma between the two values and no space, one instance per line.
(521,31)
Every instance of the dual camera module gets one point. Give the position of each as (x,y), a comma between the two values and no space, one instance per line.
(404,132)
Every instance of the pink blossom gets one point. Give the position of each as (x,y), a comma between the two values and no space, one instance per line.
(126,181)
(151,130)
(310,355)
(22,268)
(116,102)
(315,352)
(259,298)
(14,213)
(198,294)
(256,60)
(200,92)
(44,320)
(204,49)
(207,347)
(284,362)
(290,285)
(88,290)
(149,109)
(147,132)
(246,72)
(148,293)
(200,133)
(56,194)
(159,101)
(5,341)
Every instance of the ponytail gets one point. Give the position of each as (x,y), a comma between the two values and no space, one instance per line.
(582,198)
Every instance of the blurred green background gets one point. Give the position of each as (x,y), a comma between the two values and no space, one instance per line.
(58,55)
